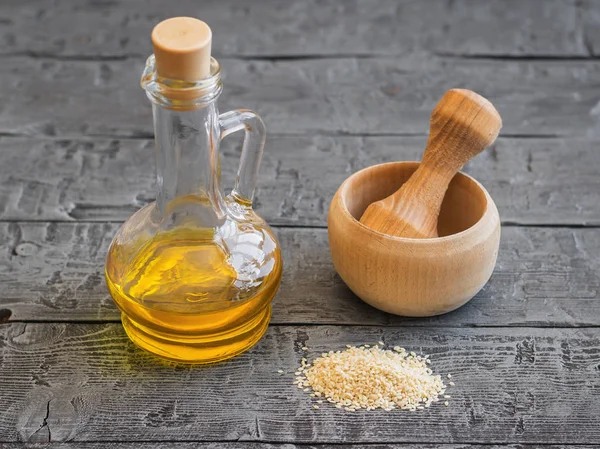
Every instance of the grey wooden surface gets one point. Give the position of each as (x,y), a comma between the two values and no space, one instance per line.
(341,85)
(108,179)
(555,28)
(247,445)
(348,95)
(544,277)
(526,385)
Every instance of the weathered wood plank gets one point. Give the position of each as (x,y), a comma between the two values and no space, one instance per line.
(589,18)
(248,445)
(122,27)
(533,181)
(383,95)
(544,277)
(83,382)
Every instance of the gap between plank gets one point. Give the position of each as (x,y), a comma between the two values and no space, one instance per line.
(516,58)
(308,444)
(142,135)
(506,224)
(332,324)
(311,56)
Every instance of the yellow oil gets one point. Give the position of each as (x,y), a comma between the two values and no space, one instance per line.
(183,299)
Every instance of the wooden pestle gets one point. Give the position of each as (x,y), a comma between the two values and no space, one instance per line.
(462,125)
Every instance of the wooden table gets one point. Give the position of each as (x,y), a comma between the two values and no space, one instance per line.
(341,86)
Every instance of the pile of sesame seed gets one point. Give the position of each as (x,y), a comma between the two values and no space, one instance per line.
(368,377)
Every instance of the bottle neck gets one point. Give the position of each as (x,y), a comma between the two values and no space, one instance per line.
(187,163)
(187,136)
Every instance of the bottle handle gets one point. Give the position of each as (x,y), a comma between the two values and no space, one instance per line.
(252,149)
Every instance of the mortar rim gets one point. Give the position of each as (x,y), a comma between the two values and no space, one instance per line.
(490,210)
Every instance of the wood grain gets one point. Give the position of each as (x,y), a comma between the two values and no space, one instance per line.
(532,181)
(589,16)
(82,382)
(347,95)
(247,445)
(544,277)
(120,28)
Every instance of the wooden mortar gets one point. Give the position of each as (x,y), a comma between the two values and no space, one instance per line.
(414,276)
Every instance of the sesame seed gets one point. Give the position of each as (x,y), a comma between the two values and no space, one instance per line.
(381,343)
(280,371)
(446,403)
(316,406)
(449,376)
(368,377)
(452,384)
(304,348)
(447,396)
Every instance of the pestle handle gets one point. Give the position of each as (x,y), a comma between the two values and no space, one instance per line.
(462,125)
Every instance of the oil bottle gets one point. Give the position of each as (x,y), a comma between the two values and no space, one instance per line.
(194,272)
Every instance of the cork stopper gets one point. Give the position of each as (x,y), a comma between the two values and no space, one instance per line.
(182,49)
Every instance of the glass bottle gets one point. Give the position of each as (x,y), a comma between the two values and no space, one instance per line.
(194,272)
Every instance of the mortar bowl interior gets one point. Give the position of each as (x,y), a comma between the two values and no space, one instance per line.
(414,277)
